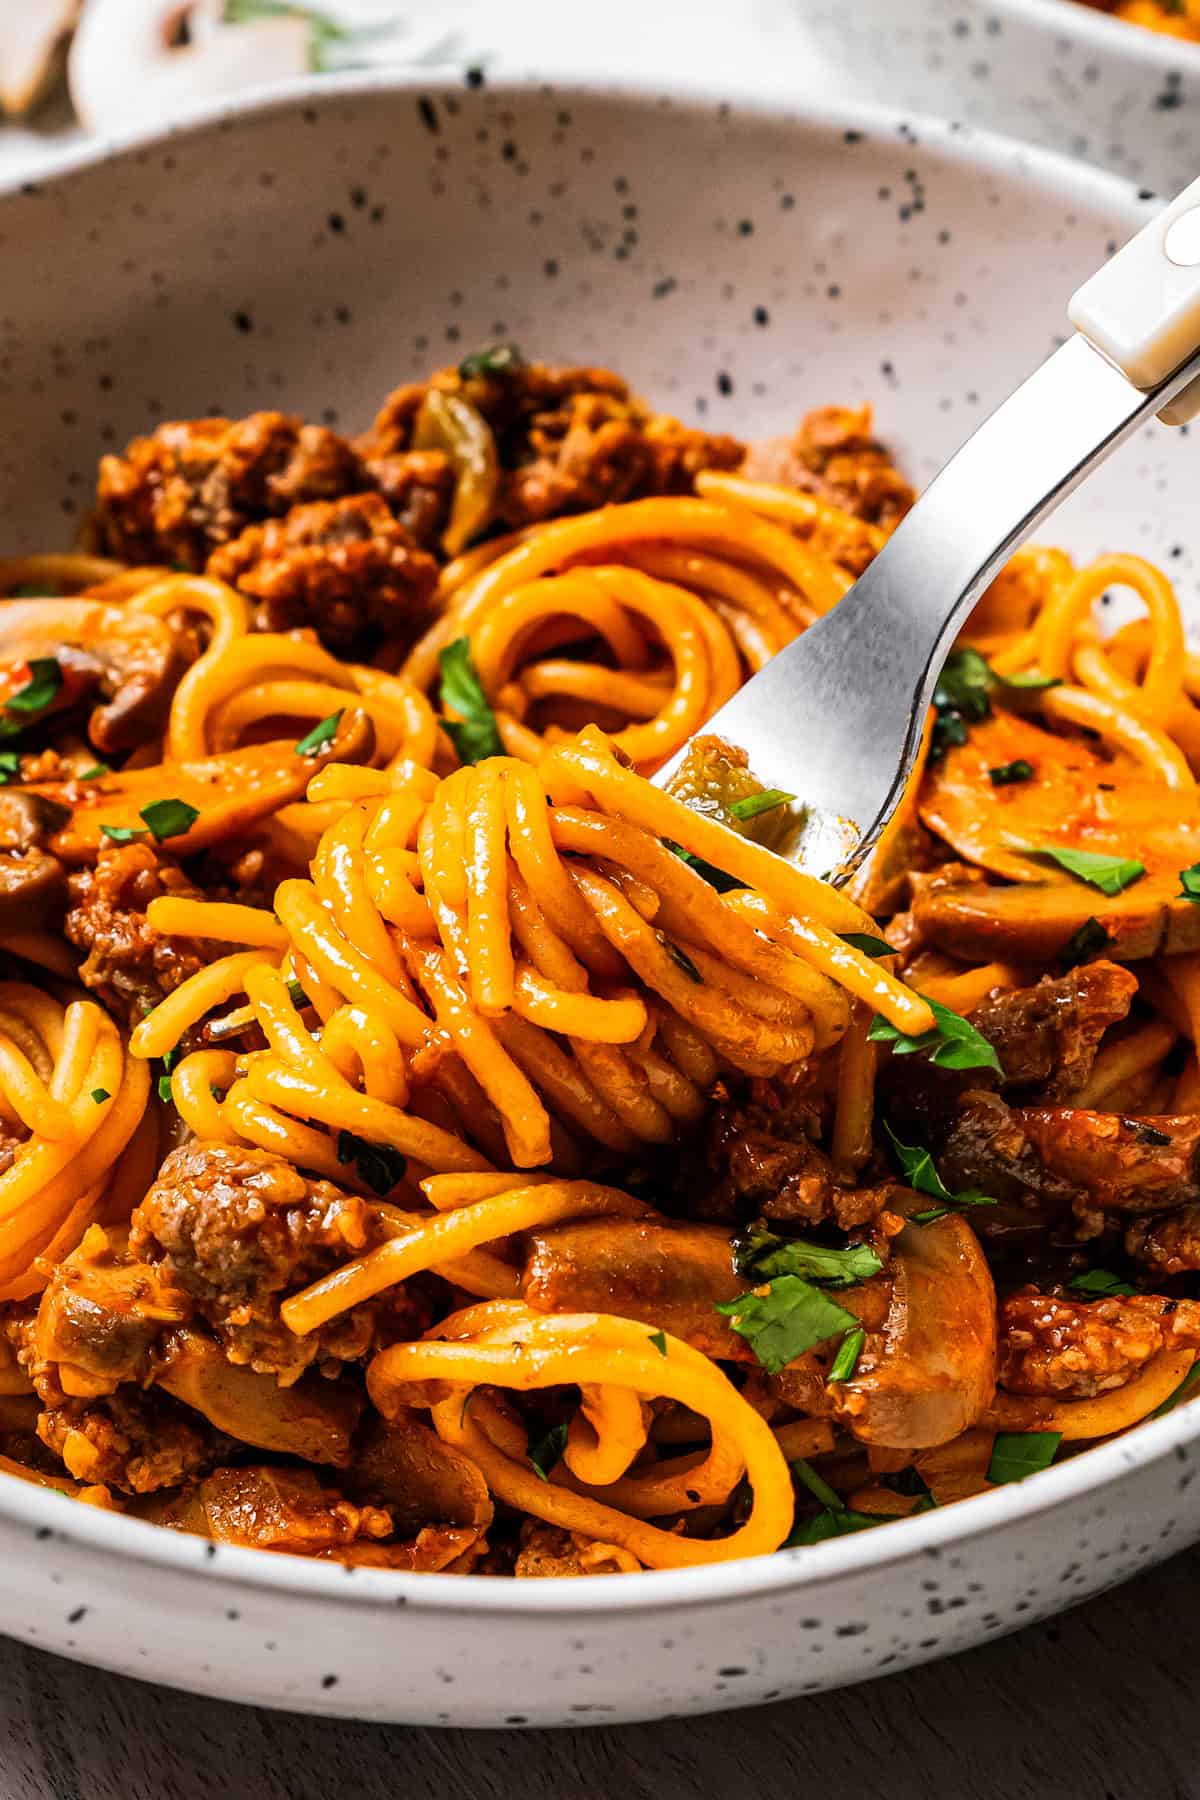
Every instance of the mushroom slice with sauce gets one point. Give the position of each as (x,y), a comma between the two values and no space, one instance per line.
(133,61)
(131,658)
(931,1370)
(33,35)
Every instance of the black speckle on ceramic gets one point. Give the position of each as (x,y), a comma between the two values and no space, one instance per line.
(737,266)
(1048,71)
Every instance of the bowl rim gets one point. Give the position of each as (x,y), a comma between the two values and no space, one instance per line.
(134,1542)
(1121,38)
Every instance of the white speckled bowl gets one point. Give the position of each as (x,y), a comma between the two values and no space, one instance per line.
(740,264)
(1052,71)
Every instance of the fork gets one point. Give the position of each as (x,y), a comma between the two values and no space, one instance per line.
(836,718)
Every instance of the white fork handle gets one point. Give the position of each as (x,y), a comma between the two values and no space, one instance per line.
(1142,309)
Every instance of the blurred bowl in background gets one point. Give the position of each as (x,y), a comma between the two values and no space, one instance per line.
(1051,71)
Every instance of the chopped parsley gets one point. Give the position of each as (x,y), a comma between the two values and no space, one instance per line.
(716,878)
(95,772)
(870,946)
(296,993)
(473,733)
(659,1340)
(849,1351)
(1111,874)
(835,1518)
(912,1484)
(1016,1454)
(1100,1284)
(320,735)
(169,818)
(491,360)
(681,959)
(1089,940)
(1190,884)
(164,1080)
(785,1321)
(545,1451)
(953,1042)
(760,1255)
(45,681)
(10,766)
(751,805)
(919,1171)
(963,696)
(123,834)
(100,1095)
(1180,1393)
(1005,774)
(379,1166)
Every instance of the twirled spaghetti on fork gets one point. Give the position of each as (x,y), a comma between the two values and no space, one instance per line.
(428,1144)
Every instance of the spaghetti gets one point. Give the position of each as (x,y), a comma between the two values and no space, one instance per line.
(397,1087)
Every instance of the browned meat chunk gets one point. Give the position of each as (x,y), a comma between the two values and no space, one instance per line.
(340,566)
(418,485)
(547,1551)
(174,497)
(273,1509)
(1167,1246)
(668,1275)
(239,1230)
(135,1439)
(836,456)
(1079,1348)
(128,965)
(760,1160)
(567,439)
(1046,1036)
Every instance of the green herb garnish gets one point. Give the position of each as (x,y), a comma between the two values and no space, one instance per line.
(169,818)
(95,772)
(659,1340)
(10,766)
(99,1095)
(716,878)
(681,959)
(787,1320)
(870,946)
(164,1080)
(320,735)
(751,805)
(1016,1454)
(493,359)
(1008,773)
(1180,1393)
(816,1484)
(1100,1284)
(920,1173)
(546,1451)
(831,1524)
(379,1166)
(473,733)
(913,1485)
(1111,874)
(761,1254)
(1190,880)
(1090,940)
(963,696)
(953,1042)
(45,681)
(296,993)
(849,1351)
(123,834)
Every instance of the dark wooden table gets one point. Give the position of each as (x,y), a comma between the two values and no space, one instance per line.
(1102,1704)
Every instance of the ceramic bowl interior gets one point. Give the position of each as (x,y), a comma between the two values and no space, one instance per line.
(740,264)
(1054,72)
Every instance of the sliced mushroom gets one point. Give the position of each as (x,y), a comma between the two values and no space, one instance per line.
(33,35)
(931,1370)
(230,793)
(667,1275)
(403,1465)
(314,1418)
(133,61)
(133,658)
(1035,923)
